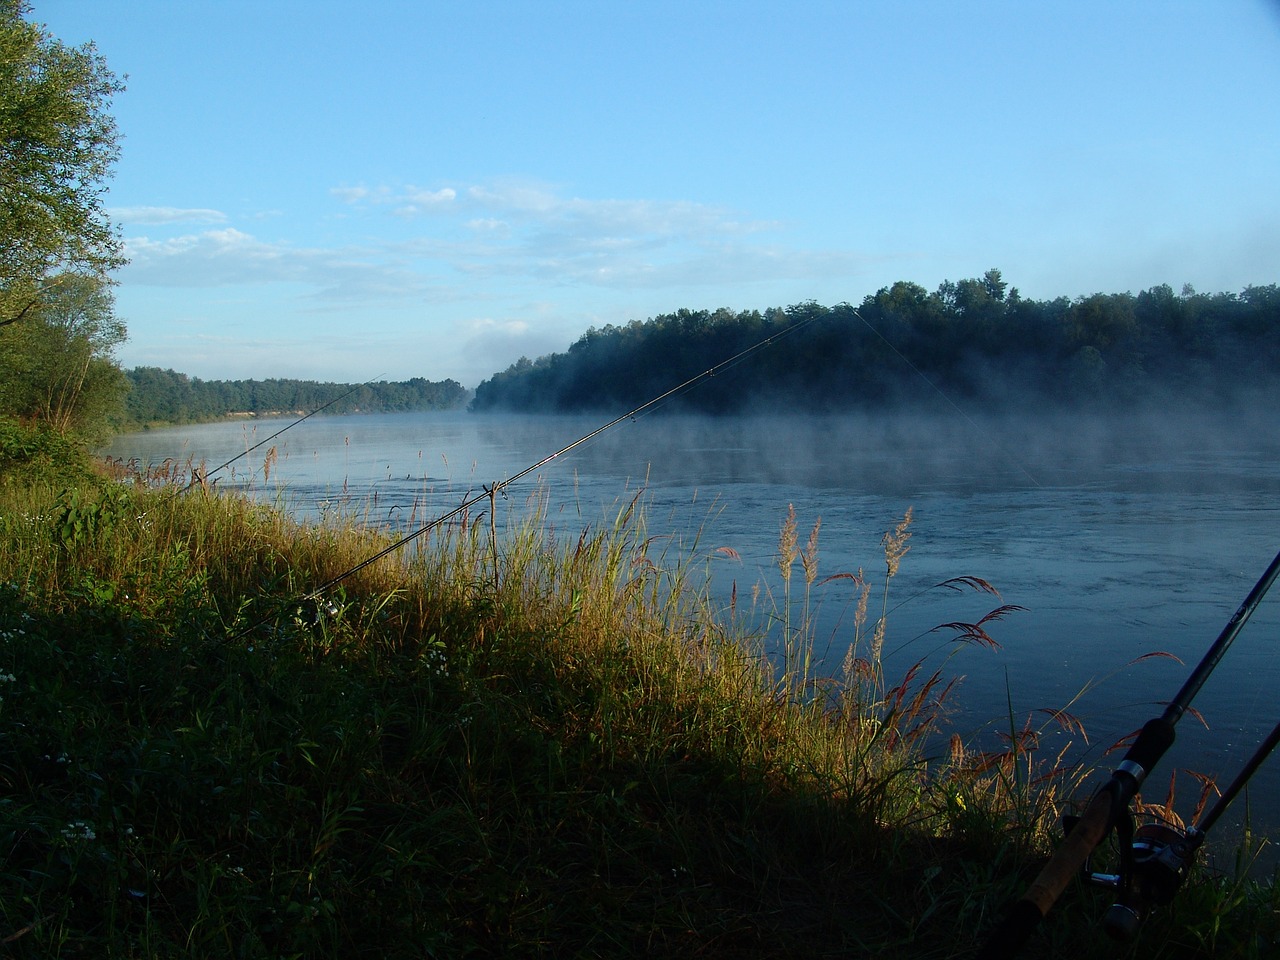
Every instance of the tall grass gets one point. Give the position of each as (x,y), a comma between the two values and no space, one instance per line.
(542,743)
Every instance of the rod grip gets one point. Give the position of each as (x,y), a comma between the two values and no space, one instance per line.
(1066,863)
(1155,739)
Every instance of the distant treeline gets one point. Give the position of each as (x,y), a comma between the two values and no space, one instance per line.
(165,396)
(972,339)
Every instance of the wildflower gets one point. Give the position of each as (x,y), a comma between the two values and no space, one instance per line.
(79,830)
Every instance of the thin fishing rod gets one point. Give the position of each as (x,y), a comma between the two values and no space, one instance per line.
(1205,824)
(943,394)
(631,414)
(1109,808)
(205,476)
(1189,689)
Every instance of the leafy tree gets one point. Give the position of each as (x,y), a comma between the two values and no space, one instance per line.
(1103,321)
(59,365)
(57,147)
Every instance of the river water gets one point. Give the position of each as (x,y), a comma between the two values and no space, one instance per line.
(1120,535)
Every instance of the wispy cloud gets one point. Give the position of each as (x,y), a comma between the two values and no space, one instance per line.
(533,204)
(497,243)
(151,216)
(231,257)
(416,201)
(514,228)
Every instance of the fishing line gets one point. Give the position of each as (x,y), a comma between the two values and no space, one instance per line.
(204,477)
(943,394)
(500,486)
(201,478)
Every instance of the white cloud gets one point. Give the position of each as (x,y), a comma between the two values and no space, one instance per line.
(231,257)
(519,230)
(487,325)
(538,206)
(350,194)
(516,197)
(488,225)
(151,216)
(416,202)
(431,198)
(489,344)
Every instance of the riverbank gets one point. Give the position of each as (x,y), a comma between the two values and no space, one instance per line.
(554,747)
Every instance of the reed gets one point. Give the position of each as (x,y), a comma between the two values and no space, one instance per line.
(574,752)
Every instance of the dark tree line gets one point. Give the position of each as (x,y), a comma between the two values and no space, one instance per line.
(165,396)
(975,339)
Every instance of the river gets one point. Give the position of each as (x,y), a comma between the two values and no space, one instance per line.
(1120,535)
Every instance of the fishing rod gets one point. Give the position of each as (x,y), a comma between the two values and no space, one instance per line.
(490,492)
(689,384)
(204,476)
(1154,858)
(200,477)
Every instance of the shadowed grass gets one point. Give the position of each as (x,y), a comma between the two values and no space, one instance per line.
(570,754)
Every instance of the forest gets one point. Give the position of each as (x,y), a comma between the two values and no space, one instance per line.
(975,339)
(165,396)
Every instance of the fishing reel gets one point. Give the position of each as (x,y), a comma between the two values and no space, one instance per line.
(1154,861)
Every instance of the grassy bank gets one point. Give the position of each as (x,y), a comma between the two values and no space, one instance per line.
(557,747)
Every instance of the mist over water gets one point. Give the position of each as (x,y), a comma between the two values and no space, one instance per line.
(1122,534)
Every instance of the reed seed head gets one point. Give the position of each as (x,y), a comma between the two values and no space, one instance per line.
(809,559)
(787,543)
(896,544)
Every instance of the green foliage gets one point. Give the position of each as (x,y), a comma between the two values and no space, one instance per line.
(165,396)
(83,515)
(57,146)
(57,364)
(975,339)
(36,452)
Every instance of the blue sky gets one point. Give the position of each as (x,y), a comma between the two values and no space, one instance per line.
(345,192)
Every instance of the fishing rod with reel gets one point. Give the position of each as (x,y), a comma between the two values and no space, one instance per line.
(1154,858)
(1158,857)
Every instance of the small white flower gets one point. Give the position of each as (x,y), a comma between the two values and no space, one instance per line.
(79,830)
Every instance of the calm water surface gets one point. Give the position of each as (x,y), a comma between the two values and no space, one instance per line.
(1120,536)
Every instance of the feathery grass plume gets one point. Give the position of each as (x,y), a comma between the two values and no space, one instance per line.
(787,553)
(802,635)
(809,557)
(860,611)
(787,550)
(853,671)
(896,544)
